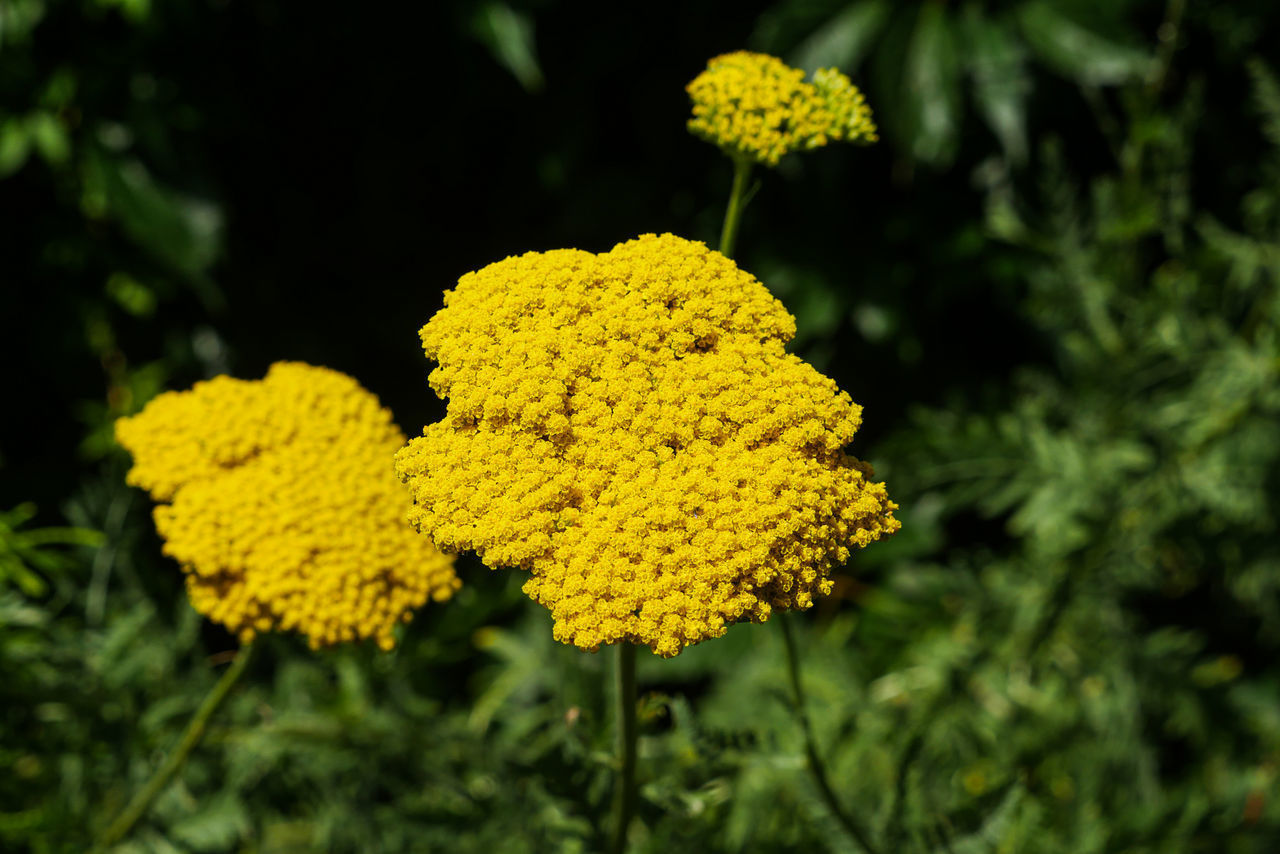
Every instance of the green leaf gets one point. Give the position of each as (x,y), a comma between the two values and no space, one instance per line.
(136,11)
(997,62)
(180,231)
(217,826)
(1077,52)
(14,572)
(24,553)
(19,515)
(931,84)
(1266,94)
(519,670)
(843,41)
(18,18)
(50,138)
(509,36)
(15,144)
(131,295)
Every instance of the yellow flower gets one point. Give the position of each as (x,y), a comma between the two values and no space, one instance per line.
(629,428)
(755,106)
(281,505)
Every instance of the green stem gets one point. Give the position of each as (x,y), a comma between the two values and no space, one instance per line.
(816,768)
(737,201)
(624,793)
(142,801)
(1167,36)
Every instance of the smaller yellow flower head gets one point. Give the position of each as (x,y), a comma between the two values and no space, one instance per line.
(280,501)
(756,106)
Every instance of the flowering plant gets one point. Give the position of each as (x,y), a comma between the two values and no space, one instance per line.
(629,428)
(278,501)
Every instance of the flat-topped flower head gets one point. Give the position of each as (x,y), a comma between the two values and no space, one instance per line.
(629,428)
(755,106)
(280,502)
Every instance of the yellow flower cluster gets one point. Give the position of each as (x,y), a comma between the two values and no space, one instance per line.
(281,505)
(756,106)
(628,427)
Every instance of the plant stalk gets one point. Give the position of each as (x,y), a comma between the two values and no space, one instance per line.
(814,761)
(624,793)
(191,737)
(737,201)
(1167,36)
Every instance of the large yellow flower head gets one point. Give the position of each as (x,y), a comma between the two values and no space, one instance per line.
(629,428)
(281,505)
(757,107)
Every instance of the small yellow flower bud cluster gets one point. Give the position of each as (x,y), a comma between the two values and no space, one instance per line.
(280,503)
(629,428)
(756,106)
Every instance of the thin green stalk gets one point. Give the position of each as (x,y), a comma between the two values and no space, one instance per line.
(142,801)
(1167,36)
(737,201)
(624,792)
(816,767)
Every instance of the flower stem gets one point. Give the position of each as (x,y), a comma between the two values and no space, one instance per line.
(1167,35)
(624,793)
(142,801)
(816,768)
(737,201)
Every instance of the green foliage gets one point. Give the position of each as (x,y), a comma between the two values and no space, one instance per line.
(920,57)
(509,36)
(1136,474)
(352,750)
(24,555)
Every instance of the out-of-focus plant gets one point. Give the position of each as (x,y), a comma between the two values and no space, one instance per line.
(346,750)
(96,141)
(1136,473)
(26,554)
(508,34)
(244,472)
(926,61)
(98,147)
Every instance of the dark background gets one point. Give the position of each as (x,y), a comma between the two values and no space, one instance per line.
(361,163)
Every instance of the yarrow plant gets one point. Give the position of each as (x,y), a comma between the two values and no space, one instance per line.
(758,108)
(277,497)
(629,429)
(279,502)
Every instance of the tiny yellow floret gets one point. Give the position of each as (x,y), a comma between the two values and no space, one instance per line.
(279,500)
(757,107)
(629,428)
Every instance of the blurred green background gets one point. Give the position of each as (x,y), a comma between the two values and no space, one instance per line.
(1054,285)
